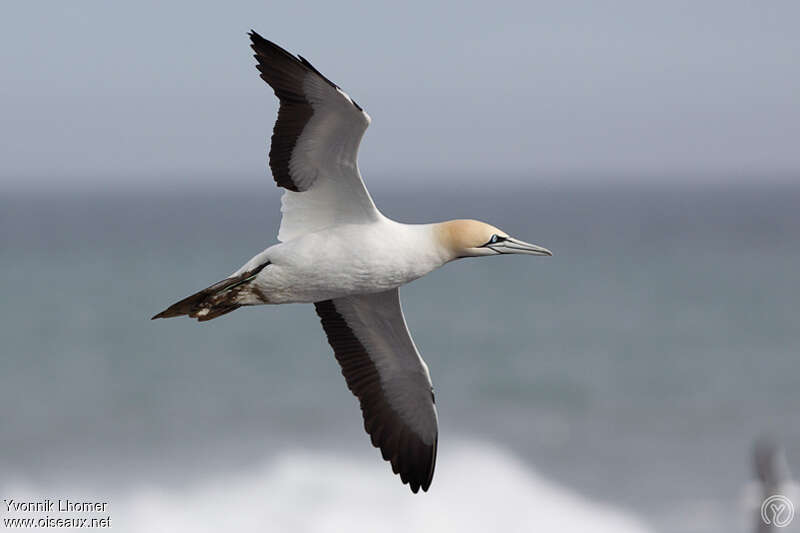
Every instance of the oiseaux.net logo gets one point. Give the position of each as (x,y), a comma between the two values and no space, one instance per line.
(777,510)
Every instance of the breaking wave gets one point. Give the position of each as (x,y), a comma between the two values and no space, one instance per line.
(477,487)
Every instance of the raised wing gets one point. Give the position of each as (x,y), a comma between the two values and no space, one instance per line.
(383,369)
(314,153)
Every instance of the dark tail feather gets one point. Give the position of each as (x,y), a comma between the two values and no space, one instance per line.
(195,303)
(216,300)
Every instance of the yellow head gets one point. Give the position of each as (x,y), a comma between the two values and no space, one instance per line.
(473,238)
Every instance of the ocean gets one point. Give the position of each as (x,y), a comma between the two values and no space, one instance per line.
(617,386)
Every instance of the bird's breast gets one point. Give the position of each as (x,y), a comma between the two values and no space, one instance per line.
(356,259)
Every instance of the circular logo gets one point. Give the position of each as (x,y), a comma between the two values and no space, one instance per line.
(777,510)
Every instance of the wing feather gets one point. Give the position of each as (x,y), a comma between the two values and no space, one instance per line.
(384,370)
(314,151)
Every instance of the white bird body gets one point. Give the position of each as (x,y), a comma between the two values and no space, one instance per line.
(347,259)
(340,253)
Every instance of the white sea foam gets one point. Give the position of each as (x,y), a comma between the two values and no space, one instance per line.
(477,488)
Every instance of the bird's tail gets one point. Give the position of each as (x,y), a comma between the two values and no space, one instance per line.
(217,300)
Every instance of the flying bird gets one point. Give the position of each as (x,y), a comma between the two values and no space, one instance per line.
(339,252)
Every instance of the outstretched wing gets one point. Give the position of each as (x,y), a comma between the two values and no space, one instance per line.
(383,369)
(314,153)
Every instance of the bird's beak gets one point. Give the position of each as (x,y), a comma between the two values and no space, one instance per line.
(515,246)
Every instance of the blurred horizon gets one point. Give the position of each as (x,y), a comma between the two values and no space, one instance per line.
(403,184)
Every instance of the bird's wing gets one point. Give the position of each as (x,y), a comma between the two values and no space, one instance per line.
(314,153)
(384,370)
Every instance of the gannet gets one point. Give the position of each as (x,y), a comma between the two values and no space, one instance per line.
(339,252)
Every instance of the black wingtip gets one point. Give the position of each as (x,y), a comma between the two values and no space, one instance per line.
(257,41)
(306,63)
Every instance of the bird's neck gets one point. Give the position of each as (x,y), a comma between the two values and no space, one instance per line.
(442,238)
(424,244)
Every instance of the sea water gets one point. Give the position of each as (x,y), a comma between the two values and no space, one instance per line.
(617,386)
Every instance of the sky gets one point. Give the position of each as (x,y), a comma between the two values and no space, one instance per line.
(115,93)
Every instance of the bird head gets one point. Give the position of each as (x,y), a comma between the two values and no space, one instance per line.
(472,238)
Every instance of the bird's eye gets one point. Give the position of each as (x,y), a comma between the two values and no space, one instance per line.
(495,239)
